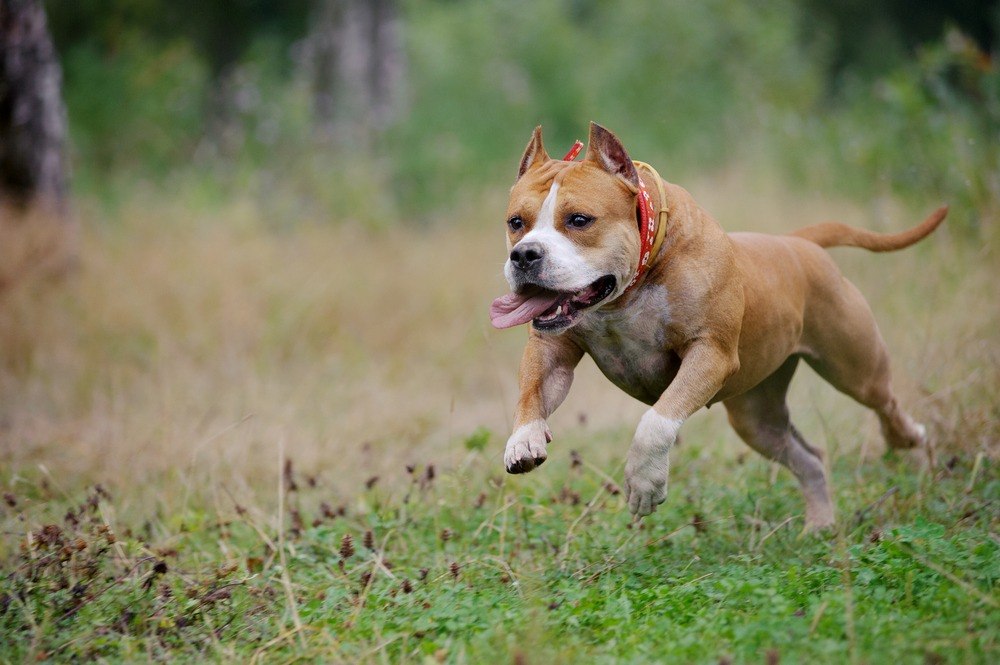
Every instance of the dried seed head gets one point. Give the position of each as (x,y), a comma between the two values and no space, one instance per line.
(366,578)
(407,586)
(370,483)
(369,540)
(346,546)
(612,489)
(50,534)
(289,477)
(698,522)
(10,499)
(108,534)
(297,524)
(454,568)
(423,574)
(481,499)
(567,495)
(575,461)
(445,535)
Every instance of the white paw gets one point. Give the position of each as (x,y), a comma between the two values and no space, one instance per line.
(648,463)
(526,447)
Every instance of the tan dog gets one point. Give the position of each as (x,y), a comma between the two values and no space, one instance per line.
(717,318)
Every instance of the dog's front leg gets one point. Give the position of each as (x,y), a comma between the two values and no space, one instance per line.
(545,377)
(704,369)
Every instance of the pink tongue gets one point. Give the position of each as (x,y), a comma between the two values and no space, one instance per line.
(513,309)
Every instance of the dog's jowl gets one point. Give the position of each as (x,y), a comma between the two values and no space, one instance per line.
(606,258)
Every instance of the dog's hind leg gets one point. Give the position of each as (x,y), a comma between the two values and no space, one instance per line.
(760,417)
(870,385)
(849,352)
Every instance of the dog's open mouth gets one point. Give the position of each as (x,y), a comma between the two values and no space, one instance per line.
(549,310)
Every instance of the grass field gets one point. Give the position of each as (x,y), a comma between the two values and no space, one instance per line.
(228,438)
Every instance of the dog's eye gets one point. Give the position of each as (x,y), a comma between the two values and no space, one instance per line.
(515,223)
(579,221)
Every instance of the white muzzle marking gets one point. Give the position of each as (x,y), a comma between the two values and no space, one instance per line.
(563,268)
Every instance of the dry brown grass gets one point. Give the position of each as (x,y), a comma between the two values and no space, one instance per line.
(191,345)
(35,244)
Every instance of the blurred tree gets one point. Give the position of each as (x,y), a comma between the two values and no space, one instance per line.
(221,31)
(358,65)
(36,238)
(860,37)
(32,115)
(127,41)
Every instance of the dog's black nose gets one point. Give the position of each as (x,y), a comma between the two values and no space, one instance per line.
(526,255)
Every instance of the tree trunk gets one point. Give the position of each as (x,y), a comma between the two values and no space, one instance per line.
(358,63)
(32,115)
(325,61)
(387,64)
(36,233)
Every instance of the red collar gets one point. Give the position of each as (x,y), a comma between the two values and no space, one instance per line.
(647,232)
(645,215)
(574,151)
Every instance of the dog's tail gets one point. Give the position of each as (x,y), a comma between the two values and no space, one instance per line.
(835,234)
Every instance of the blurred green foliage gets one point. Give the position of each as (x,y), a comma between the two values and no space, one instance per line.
(159,89)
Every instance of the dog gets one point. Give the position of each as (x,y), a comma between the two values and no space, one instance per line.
(680,315)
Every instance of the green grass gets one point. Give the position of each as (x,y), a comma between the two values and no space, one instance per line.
(467,566)
(196,348)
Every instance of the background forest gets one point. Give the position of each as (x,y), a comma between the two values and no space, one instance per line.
(317,105)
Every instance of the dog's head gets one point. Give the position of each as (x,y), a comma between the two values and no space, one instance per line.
(572,237)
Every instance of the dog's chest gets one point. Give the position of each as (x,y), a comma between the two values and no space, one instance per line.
(631,347)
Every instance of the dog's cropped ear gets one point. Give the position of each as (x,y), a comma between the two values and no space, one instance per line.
(534,153)
(607,151)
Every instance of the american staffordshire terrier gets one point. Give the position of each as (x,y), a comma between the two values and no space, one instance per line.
(680,315)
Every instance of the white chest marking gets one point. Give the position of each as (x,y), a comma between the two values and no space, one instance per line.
(631,347)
